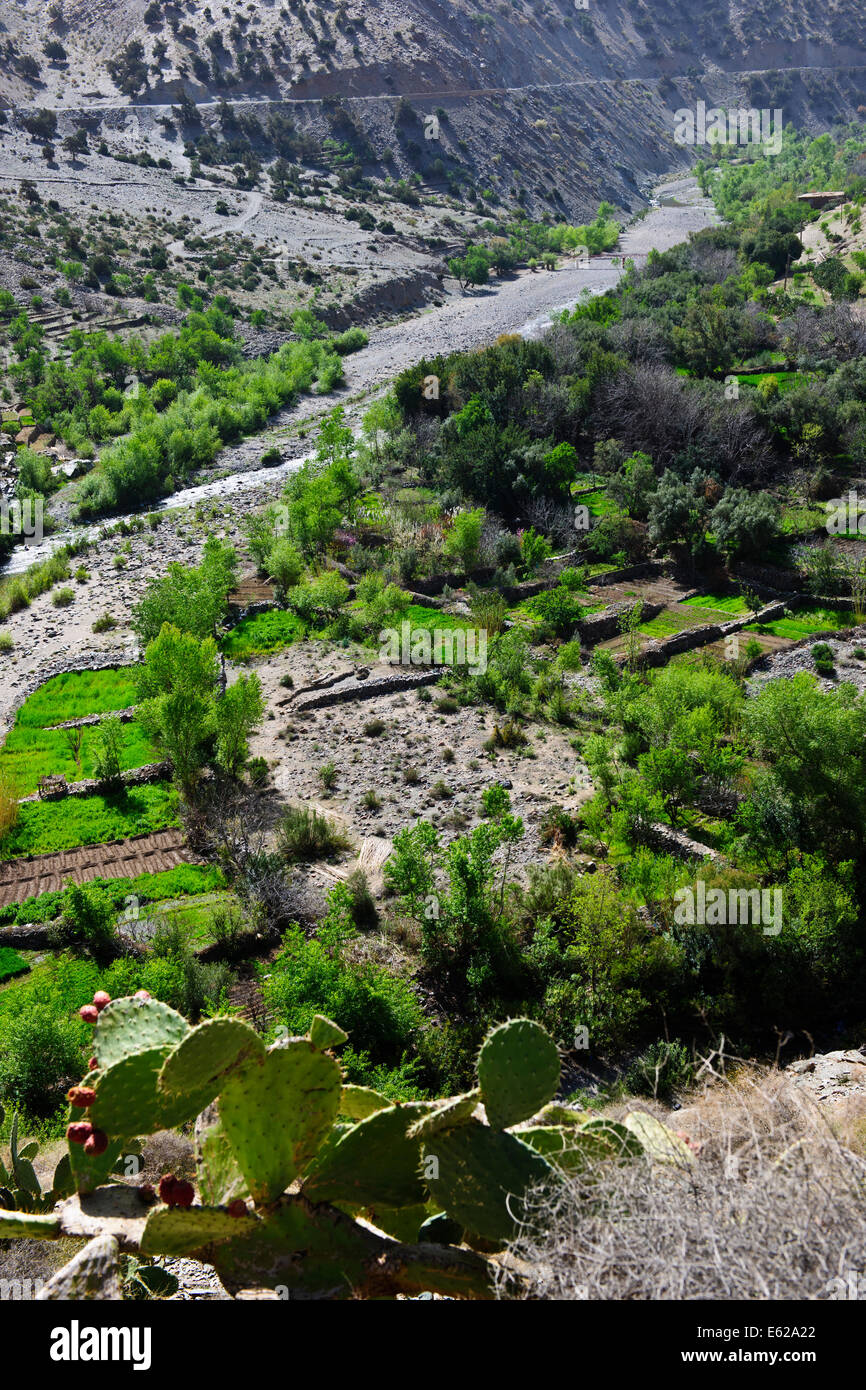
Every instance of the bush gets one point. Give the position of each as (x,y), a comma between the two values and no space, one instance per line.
(105,623)
(660,1071)
(258,771)
(88,919)
(376,1008)
(61,598)
(303,834)
(351,341)
(40,1051)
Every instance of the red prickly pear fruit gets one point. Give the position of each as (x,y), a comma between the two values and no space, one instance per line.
(174,1192)
(79,1132)
(166,1188)
(141,994)
(97,1143)
(93,1065)
(100,999)
(89,1013)
(237,1208)
(80,1097)
(146,1192)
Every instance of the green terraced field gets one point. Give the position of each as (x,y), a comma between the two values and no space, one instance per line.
(263,633)
(804,622)
(76,694)
(47,827)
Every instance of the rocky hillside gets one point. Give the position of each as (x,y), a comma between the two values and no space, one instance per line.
(540,101)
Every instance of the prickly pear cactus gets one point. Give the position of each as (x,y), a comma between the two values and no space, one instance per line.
(518,1071)
(305,1183)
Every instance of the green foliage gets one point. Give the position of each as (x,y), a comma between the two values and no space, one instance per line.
(88,918)
(11,964)
(278,1123)
(48,827)
(190,599)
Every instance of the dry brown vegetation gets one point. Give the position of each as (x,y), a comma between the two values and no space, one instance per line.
(773,1207)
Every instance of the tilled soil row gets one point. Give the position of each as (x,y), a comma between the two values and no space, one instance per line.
(48,873)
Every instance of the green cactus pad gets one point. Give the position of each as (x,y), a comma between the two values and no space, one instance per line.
(575,1148)
(14,1224)
(518,1071)
(130,1025)
(203,1058)
(63,1182)
(185,1231)
(89,1171)
(374,1162)
(453,1112)
(659,1142)
(441,1230)
(360,1101)
(480,1176)
(325,1033)
(323,1254)
(219,1178)
(403,1223)
(129,1102)
(276,1113)
(555,1114)
(319,1251)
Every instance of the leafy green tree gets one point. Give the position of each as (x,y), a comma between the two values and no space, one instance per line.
(108,751)
(677,514)
(746,524)
(815,744)
(633,487)
(284,564)
(464,538)
(193,599)
(238,713)
(176,691)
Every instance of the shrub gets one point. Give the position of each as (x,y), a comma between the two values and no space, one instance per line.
(328,775)
(88,919)
(446,705)
(310,977)
(351,341)
(6,643)
(303,834)
(374,727)
(105,623)
(664,1068)
(39,1053)
(371,800)
(61,598)
(258,771)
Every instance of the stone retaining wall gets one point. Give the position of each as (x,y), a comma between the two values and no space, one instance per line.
(664,837)
(369,690)
(137,777)
(599,626)
(660,653)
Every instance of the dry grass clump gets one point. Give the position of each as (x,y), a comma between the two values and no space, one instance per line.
(8,806)
(773,1207)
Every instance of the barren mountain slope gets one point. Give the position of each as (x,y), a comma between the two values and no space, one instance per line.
(626,67)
